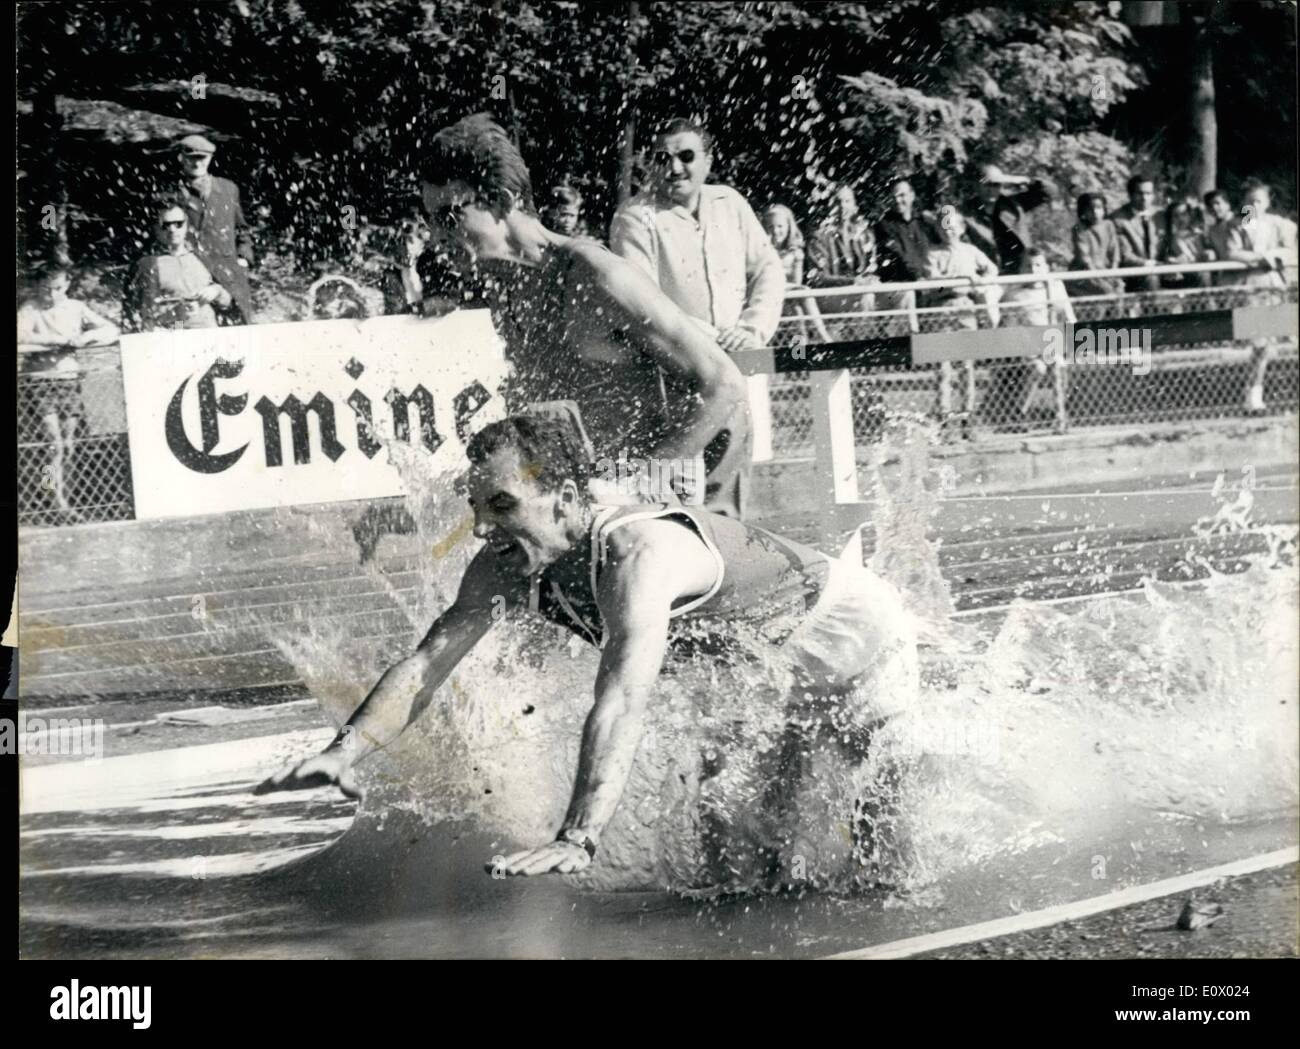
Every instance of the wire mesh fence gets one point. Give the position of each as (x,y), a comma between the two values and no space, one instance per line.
(1175,382)
(73,462)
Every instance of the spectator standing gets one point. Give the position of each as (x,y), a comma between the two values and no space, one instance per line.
(1263,239)
(705,248)
(842,253)
(998,223)
(221,235)
(702,243)
(903,237)
(1268,243)
(1095,247)
(903,242)
(1220,233)
(957,258)
(787,239)
(400,281)
(1041,304)
(843,250)
(1183,241)
(51,328)
(1138,228)
(171,287)
(563,211)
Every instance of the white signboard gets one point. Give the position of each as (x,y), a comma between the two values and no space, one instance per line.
(279,414)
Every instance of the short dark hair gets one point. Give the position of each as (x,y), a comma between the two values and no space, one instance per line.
(683,126)
(563,194)
(543,441)
(1084,204)
(160,202)
(48,269)
(477,151)
(1135,181)
(1215,194)
(899,180)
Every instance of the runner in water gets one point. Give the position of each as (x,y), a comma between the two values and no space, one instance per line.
(584,325)
(647,584)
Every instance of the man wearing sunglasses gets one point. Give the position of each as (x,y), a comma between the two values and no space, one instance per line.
(704,246)
(221,236)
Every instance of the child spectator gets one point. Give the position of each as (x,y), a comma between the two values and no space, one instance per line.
(563,211)
(51,328)
(1267,242)
(783,231)
(955,258)
(1039,304)
(400,281)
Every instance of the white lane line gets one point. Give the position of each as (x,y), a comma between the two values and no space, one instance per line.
(1121,494)
(1068,911)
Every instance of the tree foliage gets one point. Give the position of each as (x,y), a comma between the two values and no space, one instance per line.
(320,105)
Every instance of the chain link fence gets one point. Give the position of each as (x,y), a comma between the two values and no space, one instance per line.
(73,464)
(987,399)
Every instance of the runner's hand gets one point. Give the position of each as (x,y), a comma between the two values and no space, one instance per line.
(559,857)
(331,768)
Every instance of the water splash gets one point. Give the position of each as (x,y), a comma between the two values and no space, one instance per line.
(1049,725)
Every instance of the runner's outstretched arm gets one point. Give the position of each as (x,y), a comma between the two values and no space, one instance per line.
(408,686)
(635,594)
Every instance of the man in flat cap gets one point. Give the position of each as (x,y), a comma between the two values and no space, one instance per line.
(998,222)
(222,238)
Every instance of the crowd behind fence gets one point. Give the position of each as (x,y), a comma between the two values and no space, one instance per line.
(90,468)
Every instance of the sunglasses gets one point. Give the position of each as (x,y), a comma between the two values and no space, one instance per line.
(663,158)
(176,224)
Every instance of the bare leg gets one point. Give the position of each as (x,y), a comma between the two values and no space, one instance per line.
(814,315)
(70,426)
(1261,353)
(1060,390)
(945,389)
(54,433)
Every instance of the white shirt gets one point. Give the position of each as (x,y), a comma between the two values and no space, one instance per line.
(721,269)
(1271,236)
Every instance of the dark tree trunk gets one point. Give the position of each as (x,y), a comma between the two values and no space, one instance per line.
(1203,144)
(48,214)
(627,142)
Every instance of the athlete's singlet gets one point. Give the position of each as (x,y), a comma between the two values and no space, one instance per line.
(764,585)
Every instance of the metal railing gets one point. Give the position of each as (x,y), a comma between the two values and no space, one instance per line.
(1205,377)
(73,462)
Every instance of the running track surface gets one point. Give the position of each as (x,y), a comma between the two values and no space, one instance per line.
(137,855)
